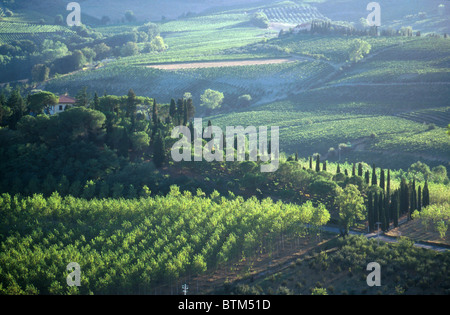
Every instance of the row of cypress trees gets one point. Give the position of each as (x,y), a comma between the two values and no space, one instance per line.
(383,205)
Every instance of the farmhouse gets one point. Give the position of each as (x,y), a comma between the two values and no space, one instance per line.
(64,102)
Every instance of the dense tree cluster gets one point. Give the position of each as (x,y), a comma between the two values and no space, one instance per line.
(88,145)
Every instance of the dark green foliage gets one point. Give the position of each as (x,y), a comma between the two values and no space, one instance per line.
(38,101)
(426,196)
(17,106)
(159,155)
(395,208)
(323,188)
(82,98)
(185,114)
(131,103)
(404,197)
(172,108)
(374,176)
(40,73)
(367,177)
(382,180)
(360,169)
(413,196)
(96,102)
(370,212)
(180,108)
(155,113)
(419,199)
(69,63)
(388,185)
(376,209)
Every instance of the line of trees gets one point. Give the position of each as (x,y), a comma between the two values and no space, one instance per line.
(384,205)
(326,27)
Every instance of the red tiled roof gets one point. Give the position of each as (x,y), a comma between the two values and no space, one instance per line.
(64,99)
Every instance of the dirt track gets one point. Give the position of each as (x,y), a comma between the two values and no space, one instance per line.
(219,64)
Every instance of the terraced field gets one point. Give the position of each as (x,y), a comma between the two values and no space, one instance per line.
(437,116)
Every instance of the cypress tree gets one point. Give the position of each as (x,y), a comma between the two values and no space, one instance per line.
(310,162)
(296,156)
(159,153)
(384,213)
(382,180)
(354,170)
(346,172)
(318,163)
(426,196)
(360,169)
(374,176)
(404,197)
(388,185)
(324,166)
(370,215)
(375,209)
(131,103)
(367,177)
(419,199)
(185,114)
(381,211)
(190,108)
(395,207)
(180,107)
(413,198)
(172,108)
(155,112)
(338,170)
(191,129)
(96,102)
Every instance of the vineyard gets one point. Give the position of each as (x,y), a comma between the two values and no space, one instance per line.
(438,116)
(131,246)
(259,80)
(294,14)
(18,31)
(418,60)
(319,119)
